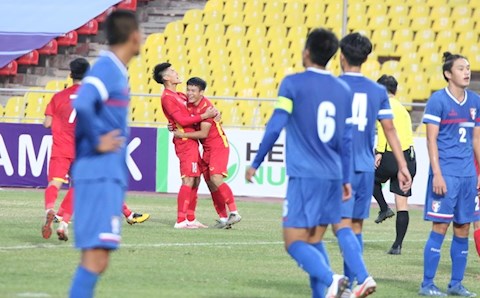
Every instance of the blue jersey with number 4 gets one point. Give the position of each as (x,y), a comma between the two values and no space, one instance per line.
(317,141)
(370,103)
(456,121)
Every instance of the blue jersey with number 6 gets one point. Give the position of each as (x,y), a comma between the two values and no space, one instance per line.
(317,141)
(370,102)
(456,121)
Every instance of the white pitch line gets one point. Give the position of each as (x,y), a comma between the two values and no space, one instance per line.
(192,244)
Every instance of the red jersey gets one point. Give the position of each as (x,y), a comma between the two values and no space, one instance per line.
(216,136)
(63,122)
(174,105)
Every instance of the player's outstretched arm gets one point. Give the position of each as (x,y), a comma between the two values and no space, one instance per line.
(196,135)
(274,127)
(404,176)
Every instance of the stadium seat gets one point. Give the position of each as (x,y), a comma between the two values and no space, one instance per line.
(464,25)
(56,85)
(378,9)
(357,22)
(398,10)
(273,7)
(402,35)
(214,5)
(29,59)
(417,11)
(253,18)
(233,6)
(314,19)
(398,22)
(356,8)
(2,111)
(385,49)
(69,39)
(378,22)
(10,69)
(212,17)
(294,15)
(14,110)
(51,48)
(381,35)
(461,12)
(194,29)
(233,18)
(90,28)
(421,23)
(276,32)
(128,5)
(391,67)
(173,29)
(440,11)
(424,36)
(193,16)
(405,47)
(436,81)
(273,19)
(103,16)
(442,23)
(143,113)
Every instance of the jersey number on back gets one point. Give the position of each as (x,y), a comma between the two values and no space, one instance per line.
(326,121)
(359,111)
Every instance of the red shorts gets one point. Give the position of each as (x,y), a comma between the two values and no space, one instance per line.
(215,162)
(59,168)
(189,161)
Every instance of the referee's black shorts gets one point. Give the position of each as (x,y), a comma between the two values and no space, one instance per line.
(388,170)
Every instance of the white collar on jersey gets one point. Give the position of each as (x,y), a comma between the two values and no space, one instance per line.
(454,99)
(318,70)
(353,74)
(117,61)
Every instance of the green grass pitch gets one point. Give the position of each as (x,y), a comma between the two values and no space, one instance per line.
(157,261)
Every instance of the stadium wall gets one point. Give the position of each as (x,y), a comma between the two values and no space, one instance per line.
(25,150)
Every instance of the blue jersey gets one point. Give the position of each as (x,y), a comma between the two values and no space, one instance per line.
(456,121)
(370,103)
(102,106)
(316,135)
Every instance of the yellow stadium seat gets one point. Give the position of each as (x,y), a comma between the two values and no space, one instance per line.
(424,36)
(214,42)
(68,82)
(294,14)
(173,29)
(440,11)
(463,25)
(233,18)
(467,38)
(212,17)
(154,40)
(235,31)
(406,47)
(273,6)
(276,32)
(159,116)
(273,19)
(435,3)
(255,32)
(35,108)
(385,49)
(233,6)
(419,10)
(398,22)
(266,110)
(192,16)
(14,109)
(421,23)
(2,111)
(381,35)
(314,19)
(378,9)
(333,8)
(357,22)
(427,48)
(461,11)
(471,50)
(443,23)
(194,29)
(254,6)
(378,22)
(213,5)
(356,8)
(253,18)
(417,86)
(474,60)
(451,47)
(398,10)
(55,85)
(390,67)
(371,65)
(409,57)
(402,35)
(476,12)
(446,36)
(436,81)
(143,114)
(214,29)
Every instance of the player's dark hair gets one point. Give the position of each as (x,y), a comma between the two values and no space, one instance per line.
(78,68)
(196,81)
(119,25)
(355,48)
(448,60)
(389,82)
(159,70)
(322,45)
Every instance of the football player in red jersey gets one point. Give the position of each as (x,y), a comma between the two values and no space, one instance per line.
(215,153)
(60,117)
(173,105)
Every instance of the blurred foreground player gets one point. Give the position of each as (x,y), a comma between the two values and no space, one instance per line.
(100,170)
(215,154)
(314,107)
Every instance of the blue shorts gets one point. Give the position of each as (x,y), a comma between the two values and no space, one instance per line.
(98,212)
(460,204)
(312,202)
(358,207)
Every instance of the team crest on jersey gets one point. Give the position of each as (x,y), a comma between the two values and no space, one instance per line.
(473,113)
(436,206)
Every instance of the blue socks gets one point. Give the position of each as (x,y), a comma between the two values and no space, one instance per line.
(318,289)
(458,253)
(311,261)
(431,257)
(353,265)
(360,240)
(83,283)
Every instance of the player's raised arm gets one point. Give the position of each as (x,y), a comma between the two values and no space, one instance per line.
(274,127)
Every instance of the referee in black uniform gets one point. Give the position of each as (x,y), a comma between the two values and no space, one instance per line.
(387,166)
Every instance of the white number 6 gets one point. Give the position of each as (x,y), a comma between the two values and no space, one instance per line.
(325,121)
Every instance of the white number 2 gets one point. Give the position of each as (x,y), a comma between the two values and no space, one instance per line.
(72,117)
(325,121)
(463,134)
(359,111)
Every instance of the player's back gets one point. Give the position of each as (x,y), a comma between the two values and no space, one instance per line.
(315,129)
(455,137)
(110,78)
(63,122)
(370,103)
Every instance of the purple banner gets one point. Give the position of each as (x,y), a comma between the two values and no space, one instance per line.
(25,151)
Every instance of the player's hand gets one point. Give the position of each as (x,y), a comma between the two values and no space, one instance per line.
(111,141)
(404,179)
(211,112)
(439,185)
(178,134)
(378,160)
(218,118)
(171,127)
(347,192)
(249,174)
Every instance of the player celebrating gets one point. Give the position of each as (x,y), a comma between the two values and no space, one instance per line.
(60,117)
(173,105)
(370,102)
(387,166)
(100,170)
(453,138)
(215,154)
(314,107)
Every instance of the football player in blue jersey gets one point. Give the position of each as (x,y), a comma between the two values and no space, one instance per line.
(453,140)
(100,170)
(314,107)
(370,103)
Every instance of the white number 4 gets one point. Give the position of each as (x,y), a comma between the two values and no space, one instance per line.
(463,134)
(359,111)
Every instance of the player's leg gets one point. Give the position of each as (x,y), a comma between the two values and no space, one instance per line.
(133,217)
(476,235)
(192,220)
(226,193)
(401,226)
(93,263)
(218,203)
(67,207)
(386,170)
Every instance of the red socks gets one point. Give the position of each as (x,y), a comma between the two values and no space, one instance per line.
(476,237)
(227,194)
(51,194)
(192,205)
(219,204)
(183,201)
(67,206)
(126,212)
